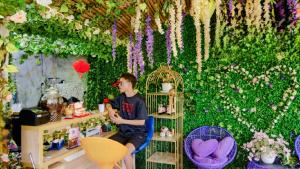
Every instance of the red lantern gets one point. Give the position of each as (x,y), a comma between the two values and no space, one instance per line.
(81,67)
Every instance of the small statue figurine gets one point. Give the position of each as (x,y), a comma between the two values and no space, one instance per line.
(171,106)
(165,132)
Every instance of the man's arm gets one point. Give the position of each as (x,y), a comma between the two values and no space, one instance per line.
(134,122)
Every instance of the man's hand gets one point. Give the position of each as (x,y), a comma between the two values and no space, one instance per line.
(117,119)
(112,113)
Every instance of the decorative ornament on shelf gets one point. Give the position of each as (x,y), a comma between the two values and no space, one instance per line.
(81,67)
(280,109)
(166,132)
(173,29)
(114,40)
(150,41)
(264,148)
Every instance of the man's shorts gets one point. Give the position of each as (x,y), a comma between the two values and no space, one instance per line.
(135,139)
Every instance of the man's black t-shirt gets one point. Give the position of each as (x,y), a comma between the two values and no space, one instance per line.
(131,108)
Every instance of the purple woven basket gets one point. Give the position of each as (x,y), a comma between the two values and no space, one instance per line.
(206,133)
(297,147)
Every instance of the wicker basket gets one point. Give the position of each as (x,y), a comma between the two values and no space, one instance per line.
(206,133)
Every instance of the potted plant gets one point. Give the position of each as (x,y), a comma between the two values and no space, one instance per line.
(266,149)
(166,83)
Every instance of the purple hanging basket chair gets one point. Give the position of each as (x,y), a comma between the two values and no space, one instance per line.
(206,133)
(297,147)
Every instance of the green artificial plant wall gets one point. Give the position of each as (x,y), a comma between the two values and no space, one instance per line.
(203,103)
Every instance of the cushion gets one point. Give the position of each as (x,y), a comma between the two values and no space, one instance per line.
(204,148)
(224,148)
(197,158)
(211,162)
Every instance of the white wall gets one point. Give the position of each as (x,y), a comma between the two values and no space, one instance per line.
(31,75)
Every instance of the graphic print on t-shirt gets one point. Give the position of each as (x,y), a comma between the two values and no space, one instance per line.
(127,107)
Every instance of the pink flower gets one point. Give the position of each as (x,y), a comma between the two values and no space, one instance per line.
(5,158)
(254,80)
(8,97)
(19,17)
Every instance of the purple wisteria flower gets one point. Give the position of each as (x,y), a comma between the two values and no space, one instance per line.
(114,39)
(293,16)
(230,7)
(138,52)
(149,42)
(281,13)
(168,43)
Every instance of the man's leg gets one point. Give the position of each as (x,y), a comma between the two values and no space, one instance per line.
(128,158)
(133,143)
(121,139)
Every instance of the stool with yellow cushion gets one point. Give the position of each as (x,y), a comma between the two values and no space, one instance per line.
(105,152)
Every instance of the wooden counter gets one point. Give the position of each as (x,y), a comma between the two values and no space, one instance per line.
(32,142)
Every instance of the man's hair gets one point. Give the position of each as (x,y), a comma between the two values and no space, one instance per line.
(129,77)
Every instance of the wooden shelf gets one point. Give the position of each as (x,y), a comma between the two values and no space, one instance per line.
(61,123)
(162,158)
(166,116)
(156,137)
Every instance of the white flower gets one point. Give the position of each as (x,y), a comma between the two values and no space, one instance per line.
(70,18)
(107,32)
(78,26)
(19,17)
(173,28)
(97,31)
(252,110)
(44,2)
(86,22)
(158,24)
(267,79)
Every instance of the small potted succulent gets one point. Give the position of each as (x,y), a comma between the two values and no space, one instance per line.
(264,148)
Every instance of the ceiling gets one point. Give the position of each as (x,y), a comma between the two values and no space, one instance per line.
(124,21)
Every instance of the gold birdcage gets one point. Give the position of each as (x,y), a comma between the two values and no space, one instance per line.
(164,99)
